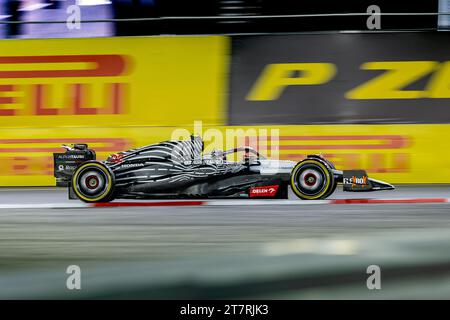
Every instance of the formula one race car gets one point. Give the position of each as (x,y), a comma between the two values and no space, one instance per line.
(177,169)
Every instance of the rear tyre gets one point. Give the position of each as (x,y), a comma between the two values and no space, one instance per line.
(93,182)
(312,179)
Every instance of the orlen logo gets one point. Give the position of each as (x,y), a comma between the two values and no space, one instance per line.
(62,85)
(266,191)
(356,181)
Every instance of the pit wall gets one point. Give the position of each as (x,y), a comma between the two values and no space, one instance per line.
(375,101)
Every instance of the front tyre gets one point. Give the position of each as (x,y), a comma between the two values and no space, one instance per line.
(93,182)
(312,179)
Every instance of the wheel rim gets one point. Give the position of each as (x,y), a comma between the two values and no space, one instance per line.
(92,182)
(310,179)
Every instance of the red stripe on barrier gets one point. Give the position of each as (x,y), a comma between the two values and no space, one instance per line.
(362,201)
(148,204)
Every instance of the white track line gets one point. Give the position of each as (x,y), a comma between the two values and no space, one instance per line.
(44,206)
(250,202)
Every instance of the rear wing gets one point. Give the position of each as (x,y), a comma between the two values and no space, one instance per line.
(65,163)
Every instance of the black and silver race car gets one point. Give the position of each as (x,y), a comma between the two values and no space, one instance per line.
(178,169)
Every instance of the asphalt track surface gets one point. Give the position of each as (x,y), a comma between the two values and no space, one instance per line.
(169,247)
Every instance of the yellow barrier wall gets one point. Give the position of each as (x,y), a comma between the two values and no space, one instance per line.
(112,81)
(395,153)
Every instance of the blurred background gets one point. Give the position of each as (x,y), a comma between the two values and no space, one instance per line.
(155,17)
(119,74)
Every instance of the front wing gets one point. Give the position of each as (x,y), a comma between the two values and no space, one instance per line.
(358,180)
